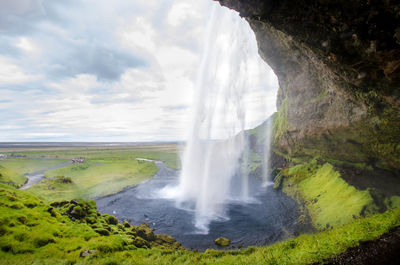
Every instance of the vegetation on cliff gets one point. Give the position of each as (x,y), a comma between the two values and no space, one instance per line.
(330,201)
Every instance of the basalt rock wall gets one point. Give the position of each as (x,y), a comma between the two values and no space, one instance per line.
(338,65)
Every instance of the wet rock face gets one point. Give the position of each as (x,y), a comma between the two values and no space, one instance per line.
(338,65)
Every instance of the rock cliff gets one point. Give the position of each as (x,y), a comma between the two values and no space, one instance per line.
(338,65)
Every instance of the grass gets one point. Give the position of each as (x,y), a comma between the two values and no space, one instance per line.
(7,175)
(106,170)
(94,178)
(329,199)
(29,165)
(168,153)
(33,232)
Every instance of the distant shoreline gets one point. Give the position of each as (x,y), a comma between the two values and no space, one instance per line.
(78,144)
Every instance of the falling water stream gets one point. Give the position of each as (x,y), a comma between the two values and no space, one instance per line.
(216,140)
(214,195)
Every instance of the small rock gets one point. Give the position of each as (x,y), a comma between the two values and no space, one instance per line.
(87,253)
(222,241)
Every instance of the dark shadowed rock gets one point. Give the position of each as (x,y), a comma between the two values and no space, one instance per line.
(338,65)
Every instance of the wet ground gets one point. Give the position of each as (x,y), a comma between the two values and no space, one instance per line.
(272,216)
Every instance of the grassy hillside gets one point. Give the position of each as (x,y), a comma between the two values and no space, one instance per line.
(7,175)
(93,178)
(330,201)
(318,186)
(72,232)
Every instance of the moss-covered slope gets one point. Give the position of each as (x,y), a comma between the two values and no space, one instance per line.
(63,231)
(73,232)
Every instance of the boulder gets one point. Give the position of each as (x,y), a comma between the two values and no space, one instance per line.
(222,241)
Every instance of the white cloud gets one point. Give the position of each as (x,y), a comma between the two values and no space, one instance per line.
(27,45)
(11,73)
(53,90)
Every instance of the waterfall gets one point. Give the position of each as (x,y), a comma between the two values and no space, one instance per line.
(215,144)
(216,149)
(267,152)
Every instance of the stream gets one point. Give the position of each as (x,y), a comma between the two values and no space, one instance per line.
(36,177)
(270,217)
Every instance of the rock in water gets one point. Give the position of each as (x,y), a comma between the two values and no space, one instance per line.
(222,241)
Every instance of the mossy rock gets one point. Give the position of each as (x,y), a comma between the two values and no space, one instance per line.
(102,232)
(77,212)
(90,220)
(43,241)
(110,219)
(165,239)
(145,232)
(126,224)
(222,241)
(140,242)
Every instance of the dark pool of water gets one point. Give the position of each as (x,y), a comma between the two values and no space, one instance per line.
(270,218)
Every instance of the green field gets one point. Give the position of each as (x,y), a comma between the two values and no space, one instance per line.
(106,170)
(12,177)
(93,178)
(29,165)
(168,153)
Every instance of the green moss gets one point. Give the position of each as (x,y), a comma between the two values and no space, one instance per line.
(278,181)
(12,177)
(281,122)
(394,202)
(110,219)
(330,201)
(305,249)
(222,241)
(93,179)
(318,98)
(31,235)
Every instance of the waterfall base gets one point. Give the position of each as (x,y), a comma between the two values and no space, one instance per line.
(268,217)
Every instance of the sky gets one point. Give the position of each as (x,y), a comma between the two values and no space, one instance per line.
(100,70)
